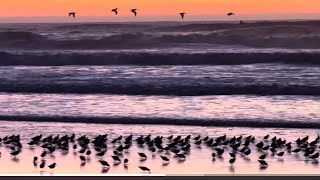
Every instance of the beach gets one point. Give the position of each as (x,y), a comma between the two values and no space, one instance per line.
(167,78)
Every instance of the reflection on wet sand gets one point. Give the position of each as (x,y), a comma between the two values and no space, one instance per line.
(112,153)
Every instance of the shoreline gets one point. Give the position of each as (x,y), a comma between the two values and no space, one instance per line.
(164,121)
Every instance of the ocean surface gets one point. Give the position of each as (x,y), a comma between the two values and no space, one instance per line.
(257,74)
(161,78)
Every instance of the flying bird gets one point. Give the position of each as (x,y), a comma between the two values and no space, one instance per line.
(182,15)
(115,11)
(134,11)
(73,14)
(231,14)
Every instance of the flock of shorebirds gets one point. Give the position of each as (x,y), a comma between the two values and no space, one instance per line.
(161,146)
(134,11)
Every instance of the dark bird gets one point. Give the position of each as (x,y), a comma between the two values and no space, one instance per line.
(15,153)
(231,161)
(115,11)
(296,150)
(104,163)
(263,163)
(125,161)
(314,156)
(266,137)
(43,154)
(259,145)
(247,152)
(263,156)
(231,14)
(197,137)
(232,155)
(142,155)
(220,151)
(134,11)
(116,158)
(73,14)
(35,159)
(181,156)
(52,166)
(143,168)
(213,155)
(164,158)
(82,158)
(88,152)
(280,153)
(42,164)
(182,15)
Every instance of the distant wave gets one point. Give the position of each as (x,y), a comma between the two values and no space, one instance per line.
(145,58)
(193,89)
(271,36)
(168,121)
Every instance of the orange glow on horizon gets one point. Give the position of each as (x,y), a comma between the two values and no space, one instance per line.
(155,7)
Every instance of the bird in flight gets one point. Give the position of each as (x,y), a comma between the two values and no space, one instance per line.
(134,11)
(73,14)
(182,15)
(231,14)
(115,11)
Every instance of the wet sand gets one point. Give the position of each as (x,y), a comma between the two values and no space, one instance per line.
(198,161)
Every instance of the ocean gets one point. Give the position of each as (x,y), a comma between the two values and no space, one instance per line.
(164,76)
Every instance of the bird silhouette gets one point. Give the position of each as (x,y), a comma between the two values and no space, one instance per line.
(143,168)
(52,166)
(263,163)
(182,15)
(164,158)
(231,161)
(72,14)
(263,156)
(104,163)
(42,164)
(116,158)
(142,155)
(231,14)
(115,11)
(134,11)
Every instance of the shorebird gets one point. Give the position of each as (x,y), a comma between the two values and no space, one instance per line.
(182,15)
(142,155)
(116,158)
(231,161)
(263,156)
(42,164)
(82,158)
(134,11)
(104,163)
(73,14)
(143,168)
(125,161)
(164,158)
(52,166)
(263,163)
(115,11)
(280,153)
